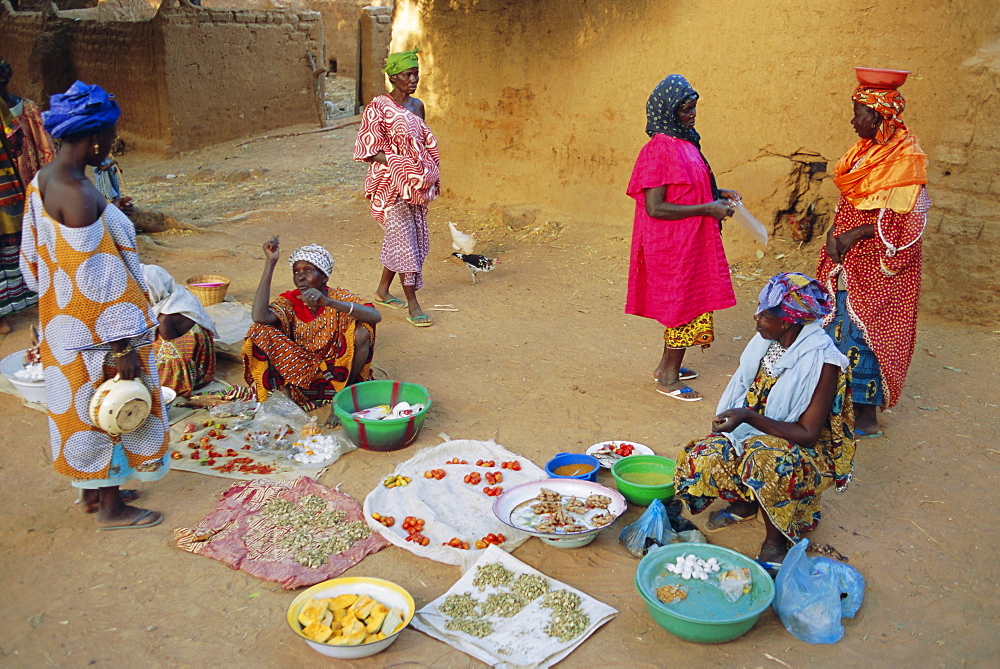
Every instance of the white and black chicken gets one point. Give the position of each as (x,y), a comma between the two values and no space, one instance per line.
(477,263)
(462,242)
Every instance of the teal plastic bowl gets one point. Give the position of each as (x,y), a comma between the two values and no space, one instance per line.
(638,493)
(381,435)
(706,616)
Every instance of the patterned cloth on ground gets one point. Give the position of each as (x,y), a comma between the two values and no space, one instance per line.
(91,292)
(186,362)
(699,332)
(882,276)
(238,533)
(677,269)
(312,357)
(785,478)
(411,150)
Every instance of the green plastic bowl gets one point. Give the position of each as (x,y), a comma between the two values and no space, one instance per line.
(706,616)
(637,493)
(381,435)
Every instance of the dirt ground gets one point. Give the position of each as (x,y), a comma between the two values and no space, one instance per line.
(540,357)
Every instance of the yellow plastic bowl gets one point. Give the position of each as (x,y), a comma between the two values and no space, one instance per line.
(386,592)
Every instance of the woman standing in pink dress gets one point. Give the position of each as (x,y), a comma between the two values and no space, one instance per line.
(678,273)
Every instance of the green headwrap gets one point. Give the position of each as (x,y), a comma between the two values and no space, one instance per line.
(404,60)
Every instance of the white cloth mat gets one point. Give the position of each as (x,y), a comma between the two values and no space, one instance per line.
(519,641)
(449,507)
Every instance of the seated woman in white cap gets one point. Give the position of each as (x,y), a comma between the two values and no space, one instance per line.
(308,342)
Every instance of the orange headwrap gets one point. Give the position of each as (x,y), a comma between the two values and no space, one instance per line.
(890,160)
(888,103)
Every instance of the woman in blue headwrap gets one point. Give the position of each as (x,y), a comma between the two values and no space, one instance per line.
(78,253)
(785,426)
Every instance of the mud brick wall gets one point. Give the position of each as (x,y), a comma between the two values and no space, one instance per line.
(236,72)
(547,101)
(340,29)
(376,32)
(188,78)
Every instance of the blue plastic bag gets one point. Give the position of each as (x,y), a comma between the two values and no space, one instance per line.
(652,529)
(811,595)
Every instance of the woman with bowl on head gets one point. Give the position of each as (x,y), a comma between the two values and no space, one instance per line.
(79,253)
(311,341)
(184,346)
(784,429)
(873,251)
(678,273)
(403,177)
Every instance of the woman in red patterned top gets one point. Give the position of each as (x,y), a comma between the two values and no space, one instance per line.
(872,256)
(403,177)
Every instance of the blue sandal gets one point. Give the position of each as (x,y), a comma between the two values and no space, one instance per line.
(684,394)
(724,519)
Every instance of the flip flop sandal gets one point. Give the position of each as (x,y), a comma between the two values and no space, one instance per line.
(724,519)
(392,303)
(133,526)
(128,496)
(421,321)
(868,435)
(685,375)
(683,394)
(772,568)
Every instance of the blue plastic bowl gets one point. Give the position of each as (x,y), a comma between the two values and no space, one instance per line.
(564,459)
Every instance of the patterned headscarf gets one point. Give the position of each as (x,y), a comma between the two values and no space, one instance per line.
(80,110)
(315,254)
(404,60)
(794,298)
(887,103)
(662,106)
(6,72)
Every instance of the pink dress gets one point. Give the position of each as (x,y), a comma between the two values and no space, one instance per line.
(678,269)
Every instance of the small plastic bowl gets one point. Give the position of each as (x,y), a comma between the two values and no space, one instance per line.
(564,459)
(385,592)
(32,391)
(627,470)
(873,77)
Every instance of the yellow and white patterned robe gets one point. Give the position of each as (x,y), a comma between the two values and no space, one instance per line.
(91,292)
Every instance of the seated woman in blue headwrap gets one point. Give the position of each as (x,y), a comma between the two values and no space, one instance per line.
(784,432)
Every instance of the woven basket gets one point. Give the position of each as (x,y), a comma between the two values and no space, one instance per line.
(209,295)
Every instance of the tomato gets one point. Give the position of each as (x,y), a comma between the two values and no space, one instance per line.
(481,544)
(501,538)
(516,466)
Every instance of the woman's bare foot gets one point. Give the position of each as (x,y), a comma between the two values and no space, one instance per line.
(4,326)
(773,550)
(90,501)
(332,421)
(865,419)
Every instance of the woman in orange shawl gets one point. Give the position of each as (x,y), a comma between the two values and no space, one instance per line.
(872,257)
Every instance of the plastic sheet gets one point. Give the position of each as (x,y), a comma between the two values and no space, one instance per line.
(747,221)
(813,594)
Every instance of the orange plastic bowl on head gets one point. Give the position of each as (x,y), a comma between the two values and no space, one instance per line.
(876,78)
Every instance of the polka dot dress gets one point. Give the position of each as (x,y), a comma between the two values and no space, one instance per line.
(91,292)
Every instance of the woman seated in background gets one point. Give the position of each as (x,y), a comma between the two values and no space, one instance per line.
(185,352)
(784,429)
(307,342)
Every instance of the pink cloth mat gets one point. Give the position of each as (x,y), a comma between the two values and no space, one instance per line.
(239,534)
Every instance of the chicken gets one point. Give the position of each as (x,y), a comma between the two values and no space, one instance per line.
(462,242)
(477,263)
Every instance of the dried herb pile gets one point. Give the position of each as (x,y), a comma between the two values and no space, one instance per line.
(315,533)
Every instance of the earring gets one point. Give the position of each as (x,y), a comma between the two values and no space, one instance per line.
(97,148)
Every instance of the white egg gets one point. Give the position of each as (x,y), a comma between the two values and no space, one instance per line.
(703,576)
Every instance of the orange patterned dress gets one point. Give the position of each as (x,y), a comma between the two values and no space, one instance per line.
(91,292)
(311,354)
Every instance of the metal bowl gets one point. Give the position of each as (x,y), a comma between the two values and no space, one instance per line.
(511,502)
